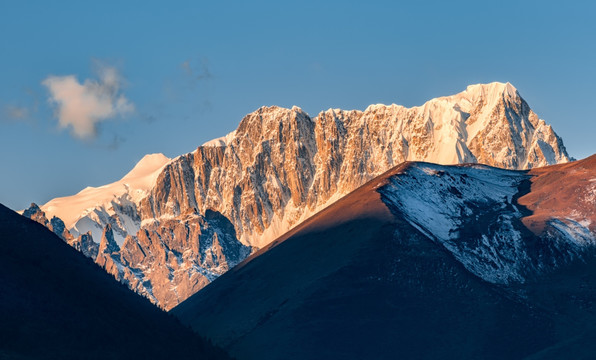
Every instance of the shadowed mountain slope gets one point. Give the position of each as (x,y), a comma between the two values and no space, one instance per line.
(56,303)
(425,261)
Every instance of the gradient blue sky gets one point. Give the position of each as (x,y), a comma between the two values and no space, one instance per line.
(192,70)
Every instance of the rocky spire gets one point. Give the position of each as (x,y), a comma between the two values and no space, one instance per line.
(108,255)
(56,225)
(85,244)
(36,214)
(108,245)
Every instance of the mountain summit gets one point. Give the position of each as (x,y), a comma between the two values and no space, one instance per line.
(279,167)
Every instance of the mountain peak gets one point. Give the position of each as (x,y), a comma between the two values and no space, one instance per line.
(36,214)
(494,90)
(132,186)
(268,120)
(147,165)
(221,141)
(493,86)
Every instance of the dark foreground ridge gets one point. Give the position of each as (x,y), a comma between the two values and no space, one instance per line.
(57,304)
(367,278)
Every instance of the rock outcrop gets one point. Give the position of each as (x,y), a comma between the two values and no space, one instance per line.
(56,225)
(83,243)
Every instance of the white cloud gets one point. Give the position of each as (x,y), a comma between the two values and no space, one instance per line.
(82,106)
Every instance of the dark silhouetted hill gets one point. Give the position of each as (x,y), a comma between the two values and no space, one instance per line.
(57,304)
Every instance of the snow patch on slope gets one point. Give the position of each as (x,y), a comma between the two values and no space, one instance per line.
(576,232)
(221,141)
(472,212)
(442,202)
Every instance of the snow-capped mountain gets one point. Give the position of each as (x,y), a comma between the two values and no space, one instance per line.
(279,167)
(116,204)
(423,262)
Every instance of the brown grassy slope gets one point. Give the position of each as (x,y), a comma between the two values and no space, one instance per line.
(560,190)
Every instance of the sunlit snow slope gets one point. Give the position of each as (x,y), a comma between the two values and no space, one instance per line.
(94,207)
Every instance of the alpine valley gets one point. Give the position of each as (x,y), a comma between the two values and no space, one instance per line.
(171,226)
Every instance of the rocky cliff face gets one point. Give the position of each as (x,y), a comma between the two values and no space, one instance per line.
(166,261)
(280,165)
(180,223)
(169,260)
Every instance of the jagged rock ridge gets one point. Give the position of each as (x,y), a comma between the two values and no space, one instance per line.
(83,243)
(280,165)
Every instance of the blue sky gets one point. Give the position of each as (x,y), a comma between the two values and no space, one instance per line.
(189,71)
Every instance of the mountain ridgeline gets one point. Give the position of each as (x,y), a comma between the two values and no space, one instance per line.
(180,223)
(281,166)
(423,262)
